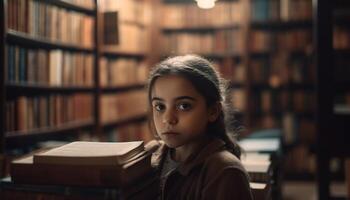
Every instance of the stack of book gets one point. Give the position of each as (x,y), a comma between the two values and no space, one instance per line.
(88,164)
(260,172)
(261,160)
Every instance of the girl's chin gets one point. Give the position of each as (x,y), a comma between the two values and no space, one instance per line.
(172,143)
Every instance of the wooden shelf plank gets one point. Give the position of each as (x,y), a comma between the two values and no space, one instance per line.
(282,25)
(16,89)
(70,6)
(49,130)
(16,37)
(122,88)
(200,28)
(19,139)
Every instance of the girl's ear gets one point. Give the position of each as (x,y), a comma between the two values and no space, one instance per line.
(214,111)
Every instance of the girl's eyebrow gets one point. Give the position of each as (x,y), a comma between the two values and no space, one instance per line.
(176,99)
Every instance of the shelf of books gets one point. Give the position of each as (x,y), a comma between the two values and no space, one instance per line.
(49,61)
(282,77)
(124,68)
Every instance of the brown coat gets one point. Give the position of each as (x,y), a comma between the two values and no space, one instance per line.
(210,173)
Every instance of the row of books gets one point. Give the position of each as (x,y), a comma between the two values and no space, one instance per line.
(296,40)
(341,38)
(122,106)
(130,132)
(260,41)
(49,67)
(301,71)
(263,71)
(300,160)
(303,101)
(122,72)
(132,38)
(281,70)
(134,11)
(267,101)
(274,10)
(298,128)
(222,42)
(266,121)
(28,113)
(239,74)
(181,16)
(46,21)
(234,73)
(239,99)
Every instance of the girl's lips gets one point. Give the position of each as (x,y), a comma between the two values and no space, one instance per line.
(170,133)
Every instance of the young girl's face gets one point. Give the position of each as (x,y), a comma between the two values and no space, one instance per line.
(180,113)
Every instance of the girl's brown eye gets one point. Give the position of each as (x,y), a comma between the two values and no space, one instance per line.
(159,107)
(184,106)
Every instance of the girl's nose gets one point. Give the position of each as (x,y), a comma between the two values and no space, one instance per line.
(170,117)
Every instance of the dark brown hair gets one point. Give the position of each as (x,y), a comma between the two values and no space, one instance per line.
(210,85)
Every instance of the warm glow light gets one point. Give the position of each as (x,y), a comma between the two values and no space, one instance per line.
(206,4)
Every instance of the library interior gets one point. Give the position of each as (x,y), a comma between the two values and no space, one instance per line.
(74,75)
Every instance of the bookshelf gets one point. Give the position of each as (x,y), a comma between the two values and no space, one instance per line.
(281,76)
(36,105)
(123,69)
(332,95)
(116,72)
(268,59)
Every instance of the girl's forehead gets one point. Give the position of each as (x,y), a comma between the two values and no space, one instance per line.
(173,86)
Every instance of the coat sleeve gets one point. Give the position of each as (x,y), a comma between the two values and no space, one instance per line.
(230,183)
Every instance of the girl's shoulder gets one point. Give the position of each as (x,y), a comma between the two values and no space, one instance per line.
(223,160)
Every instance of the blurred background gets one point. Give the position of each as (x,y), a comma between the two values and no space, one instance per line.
(76,70)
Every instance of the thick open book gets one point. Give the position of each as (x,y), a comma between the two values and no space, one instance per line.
(116,164)
(91,153)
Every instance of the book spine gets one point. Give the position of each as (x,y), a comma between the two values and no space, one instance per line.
(38,112)
(44,67)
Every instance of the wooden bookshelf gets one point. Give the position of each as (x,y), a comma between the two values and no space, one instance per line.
(20,138)
(117,58)
(12,90)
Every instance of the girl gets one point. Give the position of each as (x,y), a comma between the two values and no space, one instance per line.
(196,158)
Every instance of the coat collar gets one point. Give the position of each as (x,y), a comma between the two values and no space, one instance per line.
(196,158)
